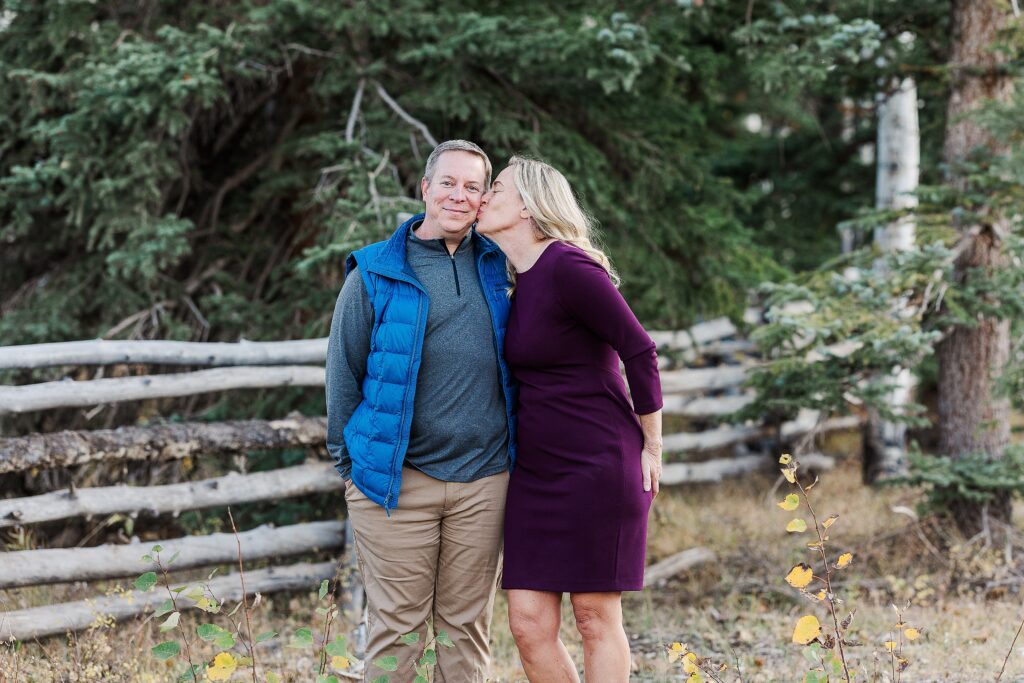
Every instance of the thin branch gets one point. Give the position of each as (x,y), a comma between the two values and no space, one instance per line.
(245,603)
(353,114)
(406,116)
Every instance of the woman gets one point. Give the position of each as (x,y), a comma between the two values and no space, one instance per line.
(587,465)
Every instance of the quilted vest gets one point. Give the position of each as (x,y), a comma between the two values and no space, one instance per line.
(377,435)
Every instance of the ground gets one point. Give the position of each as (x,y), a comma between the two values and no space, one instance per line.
(963,595)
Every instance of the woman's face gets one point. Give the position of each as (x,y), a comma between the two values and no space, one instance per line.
(501,207)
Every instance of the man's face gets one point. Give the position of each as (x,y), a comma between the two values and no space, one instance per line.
(453,195)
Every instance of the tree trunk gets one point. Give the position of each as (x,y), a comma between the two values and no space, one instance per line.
(899,160)
(972,419)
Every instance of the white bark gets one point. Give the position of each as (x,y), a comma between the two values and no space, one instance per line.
(66,394)
(713,439)
(38,622)
(676,565)
(704,407)
(234,488)
(107,352)
(899,160)
(698,380)
(61,565)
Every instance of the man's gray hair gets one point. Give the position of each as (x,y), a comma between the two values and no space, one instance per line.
(456,146)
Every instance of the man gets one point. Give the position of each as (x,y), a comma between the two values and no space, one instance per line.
(420,421)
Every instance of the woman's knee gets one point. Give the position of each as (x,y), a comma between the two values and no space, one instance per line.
(598,616)
(533,621)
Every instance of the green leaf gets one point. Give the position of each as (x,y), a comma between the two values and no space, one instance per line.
(166,650)
(225,640)
(420,679)
(429,657)
(324,678)
(165,608)
(266,635)
(273,677)
(171,622)
(387,663)
(208,632)
(157,548)
(444,639)
(145,582)
(410,638)
(302,639)
(192,673)
(323,590)
(382,679)
(147,558)
(816,677)
(337,647)
(174,557)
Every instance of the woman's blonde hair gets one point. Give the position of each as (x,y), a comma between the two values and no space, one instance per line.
(555,211)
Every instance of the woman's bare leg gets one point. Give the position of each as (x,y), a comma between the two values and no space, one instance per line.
(605,646)
(534,617)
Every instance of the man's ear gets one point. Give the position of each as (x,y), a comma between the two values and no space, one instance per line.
(424,184)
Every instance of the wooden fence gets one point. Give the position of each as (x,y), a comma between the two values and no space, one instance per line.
(705,394)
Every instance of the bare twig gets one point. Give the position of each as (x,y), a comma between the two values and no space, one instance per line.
(245,603)
(406,116)
(181,629)
(353,114)
(1010,651)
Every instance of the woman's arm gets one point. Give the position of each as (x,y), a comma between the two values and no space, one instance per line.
(650,460)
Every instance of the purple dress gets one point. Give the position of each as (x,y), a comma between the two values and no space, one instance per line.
(576,515)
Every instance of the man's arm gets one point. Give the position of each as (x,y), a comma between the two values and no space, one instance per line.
(347,350)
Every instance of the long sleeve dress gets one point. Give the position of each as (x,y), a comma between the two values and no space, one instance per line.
(576,514)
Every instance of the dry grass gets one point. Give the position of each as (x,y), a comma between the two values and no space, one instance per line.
(739,610)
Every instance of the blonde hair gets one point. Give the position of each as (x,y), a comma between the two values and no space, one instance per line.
(555,211)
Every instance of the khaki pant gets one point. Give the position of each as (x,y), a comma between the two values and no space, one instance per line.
(436,558)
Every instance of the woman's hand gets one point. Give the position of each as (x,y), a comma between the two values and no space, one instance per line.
(650,465)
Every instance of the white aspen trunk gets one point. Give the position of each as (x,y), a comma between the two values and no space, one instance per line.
(899,161)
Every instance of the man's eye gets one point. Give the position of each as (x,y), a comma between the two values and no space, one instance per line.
(447,183)
(473,189)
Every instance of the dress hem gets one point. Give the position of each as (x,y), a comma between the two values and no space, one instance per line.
(574,587)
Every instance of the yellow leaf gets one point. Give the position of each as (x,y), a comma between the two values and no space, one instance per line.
(223,666)
(912,634)
(785,459)
(788,474)
(821,595)
(791,503)
(799,576)
(690,663)
(807,629)
(796,526)
(890,645)
(830,521)
(677,647)
(844,560)
(815,545)
(339,662)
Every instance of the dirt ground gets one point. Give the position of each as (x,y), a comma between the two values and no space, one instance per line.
(963,595)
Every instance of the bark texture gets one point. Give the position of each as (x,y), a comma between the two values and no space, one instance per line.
(972,419)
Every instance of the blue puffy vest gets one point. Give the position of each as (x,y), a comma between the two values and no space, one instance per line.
(377,435)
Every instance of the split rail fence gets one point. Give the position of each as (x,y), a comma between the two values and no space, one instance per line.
(706,395)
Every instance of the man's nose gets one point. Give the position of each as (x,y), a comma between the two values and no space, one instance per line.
(457,194)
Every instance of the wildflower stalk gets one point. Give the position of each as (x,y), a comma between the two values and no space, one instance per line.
(174,604)
(827,578)
(245,603)
(1010,651)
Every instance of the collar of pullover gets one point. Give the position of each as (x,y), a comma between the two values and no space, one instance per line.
(437,246)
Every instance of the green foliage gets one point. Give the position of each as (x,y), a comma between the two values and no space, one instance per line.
(976,478)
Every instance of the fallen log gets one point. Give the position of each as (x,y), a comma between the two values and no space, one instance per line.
(696,336)
(109,352)
(703,406)
(674,565)
(316,477)
(170,441)
(714,471)
(61,565)
(698,380)
(721,437)
(70,394)
(37,622)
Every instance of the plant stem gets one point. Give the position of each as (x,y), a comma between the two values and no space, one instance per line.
(828,580)
(181,629)
(245,604)
(1010,651)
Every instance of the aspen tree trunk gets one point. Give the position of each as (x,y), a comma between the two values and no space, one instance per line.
(899,161)
(972,419)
